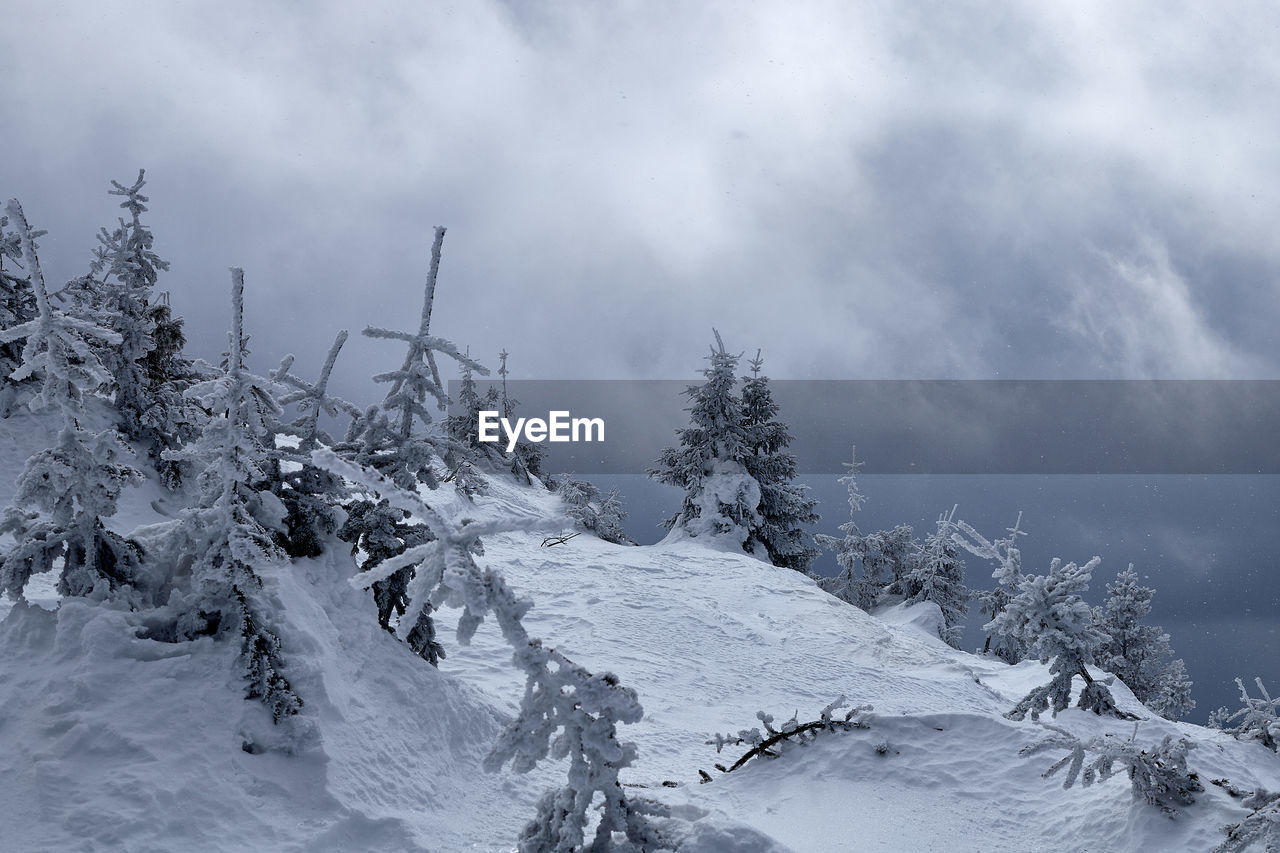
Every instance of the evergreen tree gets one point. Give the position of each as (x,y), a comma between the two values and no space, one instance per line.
(1140,654)
(857,588)
(146,367)
(938,576)
(311,496)
(893,555)
(1055,624)
(233,529)
(66,491)
(721,500)
(1008,576)
(17,306)
(398,438)
(528,455)
(784,507)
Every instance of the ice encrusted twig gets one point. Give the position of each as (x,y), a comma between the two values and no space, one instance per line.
(771,742)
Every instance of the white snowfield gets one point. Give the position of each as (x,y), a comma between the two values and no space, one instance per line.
(112,742)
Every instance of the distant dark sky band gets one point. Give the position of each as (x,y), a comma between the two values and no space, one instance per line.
(946,426)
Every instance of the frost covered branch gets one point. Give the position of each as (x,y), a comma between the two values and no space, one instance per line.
(771,742)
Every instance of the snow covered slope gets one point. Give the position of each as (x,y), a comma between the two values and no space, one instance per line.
(108,741)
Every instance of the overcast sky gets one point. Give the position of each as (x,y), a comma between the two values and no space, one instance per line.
(864,190)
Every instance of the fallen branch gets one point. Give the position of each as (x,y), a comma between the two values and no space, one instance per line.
(559,540)
(771,742)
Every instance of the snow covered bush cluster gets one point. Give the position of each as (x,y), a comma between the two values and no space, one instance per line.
(262,488)
(1030,616)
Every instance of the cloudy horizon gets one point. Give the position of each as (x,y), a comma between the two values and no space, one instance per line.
(864,191)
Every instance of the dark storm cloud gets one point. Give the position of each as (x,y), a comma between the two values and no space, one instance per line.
(949,191)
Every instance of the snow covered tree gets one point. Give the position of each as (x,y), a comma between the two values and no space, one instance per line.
(1056,625)
(784,507)
(399,438)
(721,500)
(529,455)
(566,712)
(311,496)
(1140,654)
(143,365)
(1258,717)
(64,492)
(851,585)
(601,514)
(937,575)
(17,306)
(232,532)
(1158,775)
(1007,575)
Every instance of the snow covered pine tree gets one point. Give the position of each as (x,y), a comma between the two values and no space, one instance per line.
(64,492)
(399,440)
(1008,576)
(937,575)
(232,531)
(1140,654)
(859,589)
(1050,618)
(784,507)
(721,501)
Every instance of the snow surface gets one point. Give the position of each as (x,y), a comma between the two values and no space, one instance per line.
(112,742)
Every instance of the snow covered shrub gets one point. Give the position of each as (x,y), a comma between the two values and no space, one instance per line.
(1159,775)
(601,514)
(1053,622)
(566,711)
(1258,718)
(773,741)
(1259,831)
(65,491)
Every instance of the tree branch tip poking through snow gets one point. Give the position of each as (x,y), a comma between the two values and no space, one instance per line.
(1159,774)
(772,741)
(1260,830)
